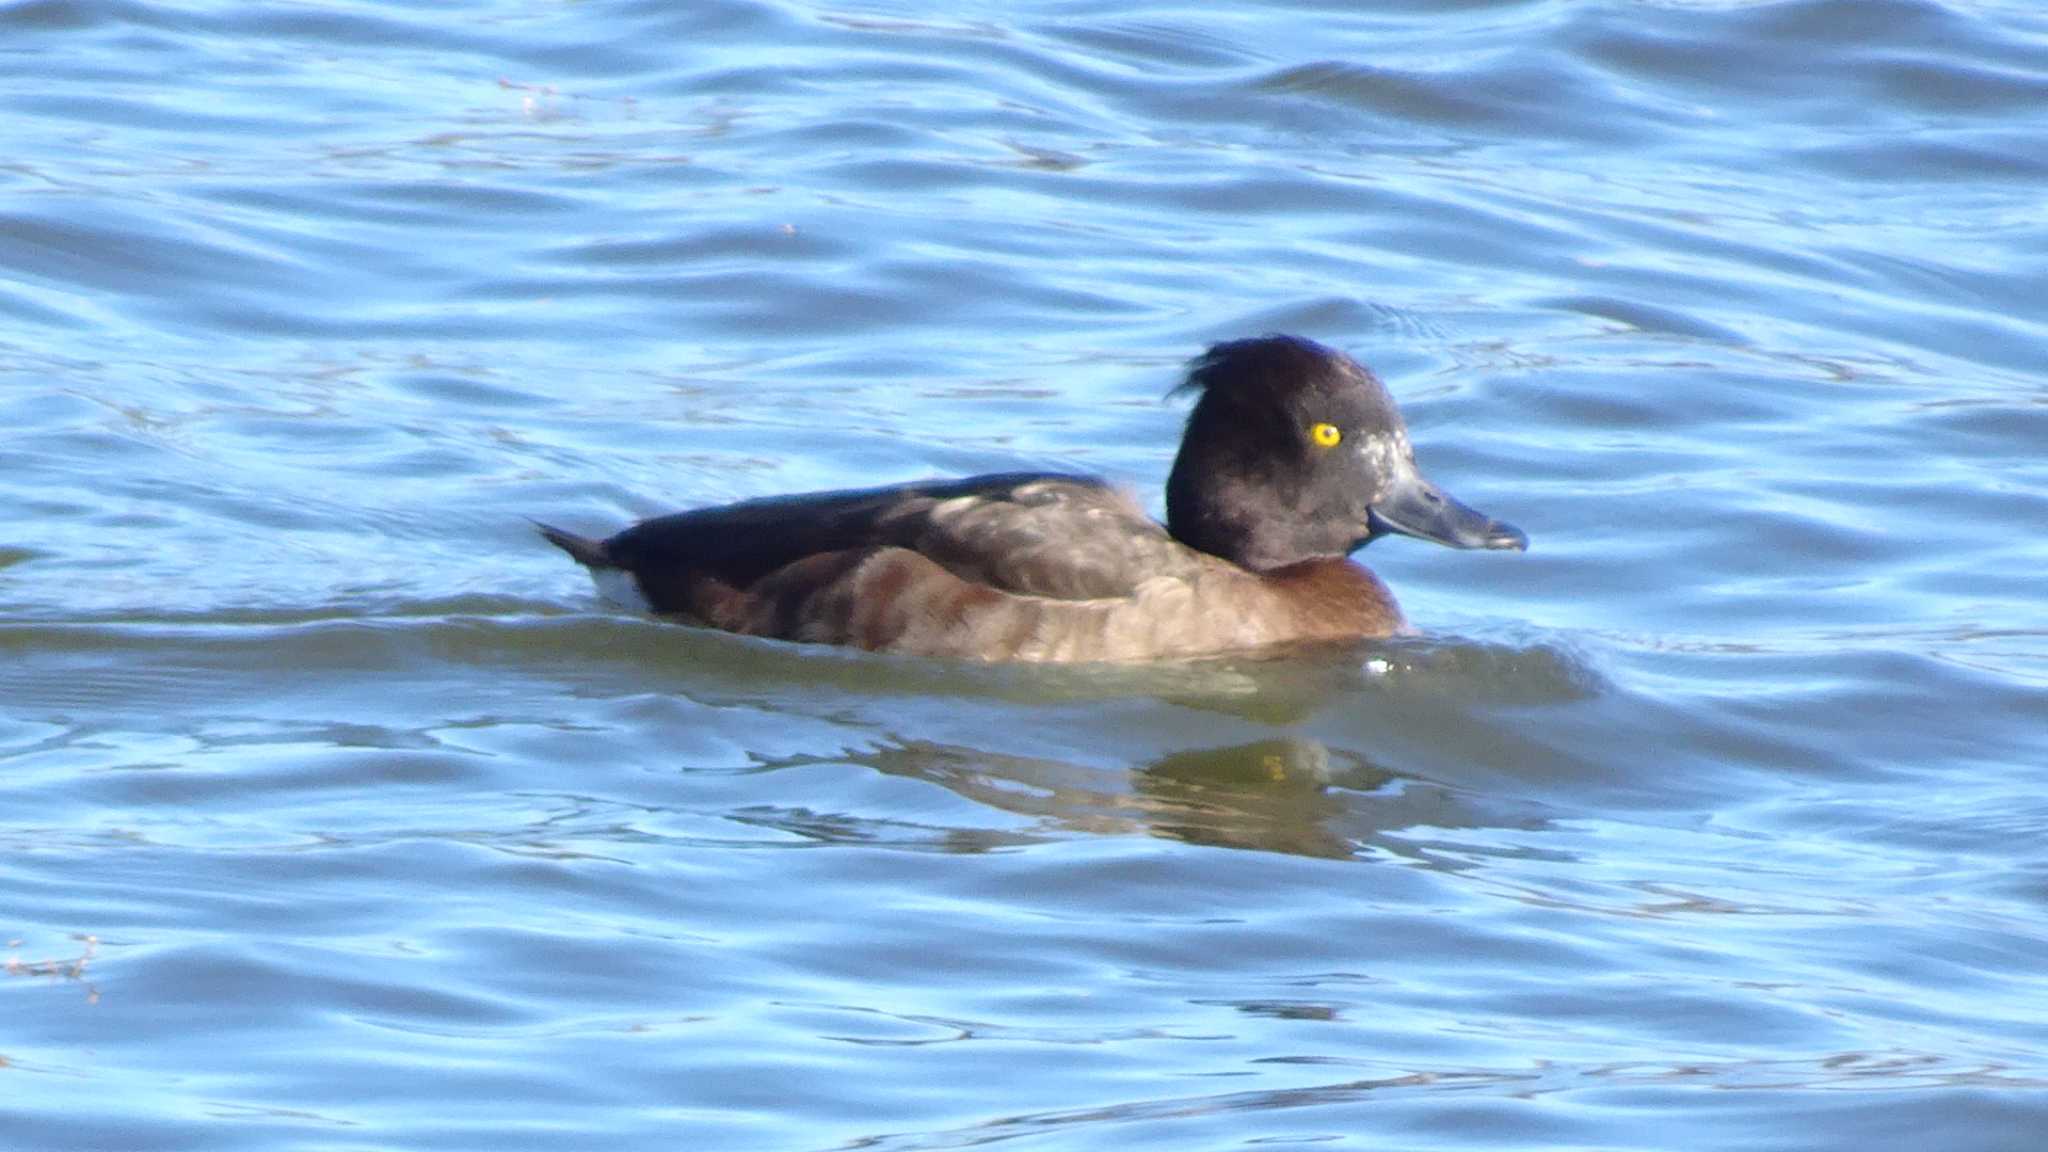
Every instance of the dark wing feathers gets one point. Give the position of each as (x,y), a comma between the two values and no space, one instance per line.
(1061,537)
(1035,534)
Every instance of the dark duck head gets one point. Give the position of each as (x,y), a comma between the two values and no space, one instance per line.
(1296,452)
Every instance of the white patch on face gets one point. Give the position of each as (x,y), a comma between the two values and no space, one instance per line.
(1388,453)
(617,586)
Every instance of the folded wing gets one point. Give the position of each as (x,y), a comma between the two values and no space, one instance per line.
(1030,534)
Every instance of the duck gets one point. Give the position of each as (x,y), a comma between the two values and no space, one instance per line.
(1293,458)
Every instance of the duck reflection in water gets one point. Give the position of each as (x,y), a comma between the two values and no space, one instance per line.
(1289,795)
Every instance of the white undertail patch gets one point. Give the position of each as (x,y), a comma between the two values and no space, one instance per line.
(617,586)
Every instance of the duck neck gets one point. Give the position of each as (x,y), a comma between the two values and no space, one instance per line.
(1212,509)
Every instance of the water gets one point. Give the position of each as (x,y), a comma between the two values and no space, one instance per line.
(337,813)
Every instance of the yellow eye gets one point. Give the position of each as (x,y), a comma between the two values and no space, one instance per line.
(1327,435)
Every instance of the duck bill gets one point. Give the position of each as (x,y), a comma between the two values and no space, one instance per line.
(1413,506)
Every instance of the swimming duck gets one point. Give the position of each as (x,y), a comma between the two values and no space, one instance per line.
(1294,457)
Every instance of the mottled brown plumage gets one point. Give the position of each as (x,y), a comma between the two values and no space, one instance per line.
(1294,457)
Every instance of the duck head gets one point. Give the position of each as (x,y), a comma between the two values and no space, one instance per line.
(1295,451)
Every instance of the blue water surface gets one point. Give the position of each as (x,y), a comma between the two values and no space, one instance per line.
(338,812)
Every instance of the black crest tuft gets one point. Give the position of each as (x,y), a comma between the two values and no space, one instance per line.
(1267,369)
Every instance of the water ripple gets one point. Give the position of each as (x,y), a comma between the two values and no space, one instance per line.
(337,804)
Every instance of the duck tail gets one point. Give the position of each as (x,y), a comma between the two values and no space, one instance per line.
(582,549)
